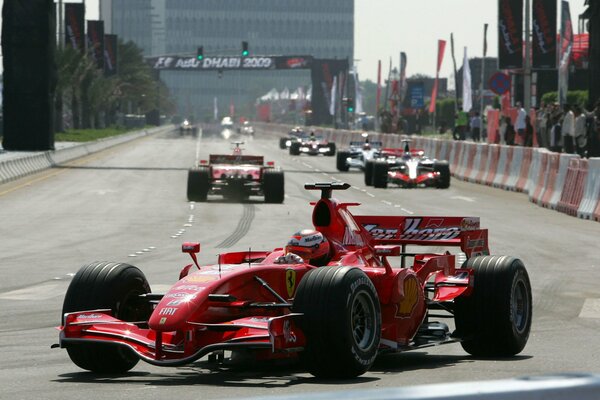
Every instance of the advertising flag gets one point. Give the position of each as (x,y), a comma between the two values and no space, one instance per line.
(95,36)
(510,34)
(440,59)
(467,102)
(566,45)
(544,34)
(333,96)
(110,55)
(74,28)
(403,86)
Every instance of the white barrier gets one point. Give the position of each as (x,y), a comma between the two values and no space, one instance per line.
(591,192)
(563,165)
(502,161)
(515,169)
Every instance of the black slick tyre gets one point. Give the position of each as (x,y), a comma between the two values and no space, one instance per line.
(198,184)
(114,286)
(295,149)
(332,149)
(273,186)
(495,320)
(341,163)
(341,320)
(380,174)
(369,172)
(444,169)
(282,142)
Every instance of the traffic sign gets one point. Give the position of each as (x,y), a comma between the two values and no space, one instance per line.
(500,83)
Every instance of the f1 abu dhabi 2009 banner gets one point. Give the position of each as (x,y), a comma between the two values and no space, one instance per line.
(95,35)
(230,62)
(110,55)
(510,34)
(544,34)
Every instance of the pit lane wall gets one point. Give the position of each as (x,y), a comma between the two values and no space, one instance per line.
(562,182)
(15,165)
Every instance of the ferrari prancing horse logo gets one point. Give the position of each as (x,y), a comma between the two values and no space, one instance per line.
(290,281)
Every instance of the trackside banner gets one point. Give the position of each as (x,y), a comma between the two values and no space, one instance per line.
(231,62)
(110,55)
(95,36)
(510,34)
(544,34)
(74,26)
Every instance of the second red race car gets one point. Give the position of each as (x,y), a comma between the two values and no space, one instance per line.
(236,176)
(335,298)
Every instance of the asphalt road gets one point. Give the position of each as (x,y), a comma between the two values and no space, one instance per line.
(129,204)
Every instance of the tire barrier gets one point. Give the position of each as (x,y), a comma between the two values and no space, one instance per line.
(18,167)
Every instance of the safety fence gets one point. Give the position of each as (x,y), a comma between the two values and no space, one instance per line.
(562,182)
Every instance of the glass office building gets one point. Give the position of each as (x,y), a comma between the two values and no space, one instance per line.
(323,29)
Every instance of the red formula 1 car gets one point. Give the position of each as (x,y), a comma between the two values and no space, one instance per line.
(407,168)
(372,296)
(236,176)
(312,145)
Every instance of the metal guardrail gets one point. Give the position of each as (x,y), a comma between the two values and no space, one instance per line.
(15,167)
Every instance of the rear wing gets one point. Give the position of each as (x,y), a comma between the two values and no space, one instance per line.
(463,232)
(235,159)
(387,151)
(373,144)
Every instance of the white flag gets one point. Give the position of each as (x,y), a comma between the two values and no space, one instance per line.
(358,108)
(467,102)
(215,110)
(333,96)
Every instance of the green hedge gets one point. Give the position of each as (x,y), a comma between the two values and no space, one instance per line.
(574,97)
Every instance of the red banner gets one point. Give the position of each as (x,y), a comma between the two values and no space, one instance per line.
(441,48)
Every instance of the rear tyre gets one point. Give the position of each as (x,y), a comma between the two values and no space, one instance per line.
(106,285)
(495,319)
(369,172)
(331,151)
(341,321)
(380,174)
(273,186)
(282,143)
(341,162)
(295,149)
(444,169)
(198,184)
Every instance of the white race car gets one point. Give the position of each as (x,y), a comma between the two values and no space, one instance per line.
(358,154)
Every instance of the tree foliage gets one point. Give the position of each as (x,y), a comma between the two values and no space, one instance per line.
(91,98)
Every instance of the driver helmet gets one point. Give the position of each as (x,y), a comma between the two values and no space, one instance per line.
(309,244)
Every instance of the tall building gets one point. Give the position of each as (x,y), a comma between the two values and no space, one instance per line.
(323,29)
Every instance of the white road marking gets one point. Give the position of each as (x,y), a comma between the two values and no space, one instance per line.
(356,188)
(318,170)
(307,165)
(407,211)
(464,198)
(389,203)
(192,205)
(133,255)
(369,194)
(187,225)
(42,291)
(397,205)
(590,309)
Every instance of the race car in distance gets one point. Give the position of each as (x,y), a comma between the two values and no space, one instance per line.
(186,127)
(295,135)
(227,129)
(372,296)
(312,145)
(236,176)
(358,154)
(246,129)
(407,168)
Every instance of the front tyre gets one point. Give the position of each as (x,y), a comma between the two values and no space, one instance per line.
(369,172)
(380,174)
(341,161)
(341,321)
(495,319)
(283,143)
(443,168)
(331,151)
(198,184)
(114,286)
(273,186)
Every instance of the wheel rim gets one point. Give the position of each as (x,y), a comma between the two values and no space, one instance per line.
(520,306)
(363,321)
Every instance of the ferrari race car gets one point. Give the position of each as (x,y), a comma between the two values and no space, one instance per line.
(236,176)
(187,128)
(295,135)
(373,296)
(358,154)
(312,145)
(407,168)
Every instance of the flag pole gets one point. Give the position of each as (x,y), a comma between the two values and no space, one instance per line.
(481,84)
